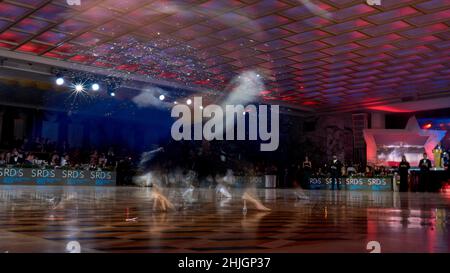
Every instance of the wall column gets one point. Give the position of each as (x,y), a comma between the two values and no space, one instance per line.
(378,120)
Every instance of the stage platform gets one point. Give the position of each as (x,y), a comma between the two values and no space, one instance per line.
(122,219)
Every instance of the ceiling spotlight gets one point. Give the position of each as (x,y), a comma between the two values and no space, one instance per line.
(60,81)
(162,97)
(175,102)
(189,102)
(79,87)
(112,94)
(95,87)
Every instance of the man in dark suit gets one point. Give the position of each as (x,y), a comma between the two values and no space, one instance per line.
(335,171)
(425,166)
(16,158)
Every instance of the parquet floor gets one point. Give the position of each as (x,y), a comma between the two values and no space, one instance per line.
(122,219)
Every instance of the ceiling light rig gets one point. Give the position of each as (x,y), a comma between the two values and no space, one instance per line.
(82,82)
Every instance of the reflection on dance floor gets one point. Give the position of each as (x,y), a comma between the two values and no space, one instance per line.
(125,219)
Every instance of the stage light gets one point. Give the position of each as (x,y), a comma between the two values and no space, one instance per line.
(111,89)
(79,87)
(428,125)
(189,102)
(60,81)
(95,87)
(162,97)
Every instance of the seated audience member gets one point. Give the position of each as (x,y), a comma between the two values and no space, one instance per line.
(369,171)
(65,161)
(102,160)
(29,159)
(344,170)
(55,160)
(320,173)
(351,170)
(75,157)
(445,160)
(94,159)
(8,158)
(16,158)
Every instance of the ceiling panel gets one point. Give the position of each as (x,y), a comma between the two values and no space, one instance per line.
(312,55)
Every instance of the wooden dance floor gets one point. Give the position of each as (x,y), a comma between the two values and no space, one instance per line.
(122,219)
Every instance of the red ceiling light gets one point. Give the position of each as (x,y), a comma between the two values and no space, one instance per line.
(33,47)
(391,109)
(81,58)
(5,45)
(128,67)
(13,36)
(311,102)
(54,55)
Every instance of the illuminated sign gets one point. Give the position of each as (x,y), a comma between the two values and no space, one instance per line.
(28,176)
(354,183)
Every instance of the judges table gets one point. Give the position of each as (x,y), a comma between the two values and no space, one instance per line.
(435,179)
(354,183)
(44,177)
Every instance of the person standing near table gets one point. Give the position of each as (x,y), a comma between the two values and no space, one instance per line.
(307,169)
(425,166)
(335,171)
(403,169)
(437,153)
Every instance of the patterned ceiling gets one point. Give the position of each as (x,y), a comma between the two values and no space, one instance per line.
(328,54)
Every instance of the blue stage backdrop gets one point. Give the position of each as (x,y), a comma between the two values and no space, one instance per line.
(40,177)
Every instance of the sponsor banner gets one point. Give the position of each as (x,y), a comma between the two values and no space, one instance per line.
(39,177)
(354,183)
(248,181)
